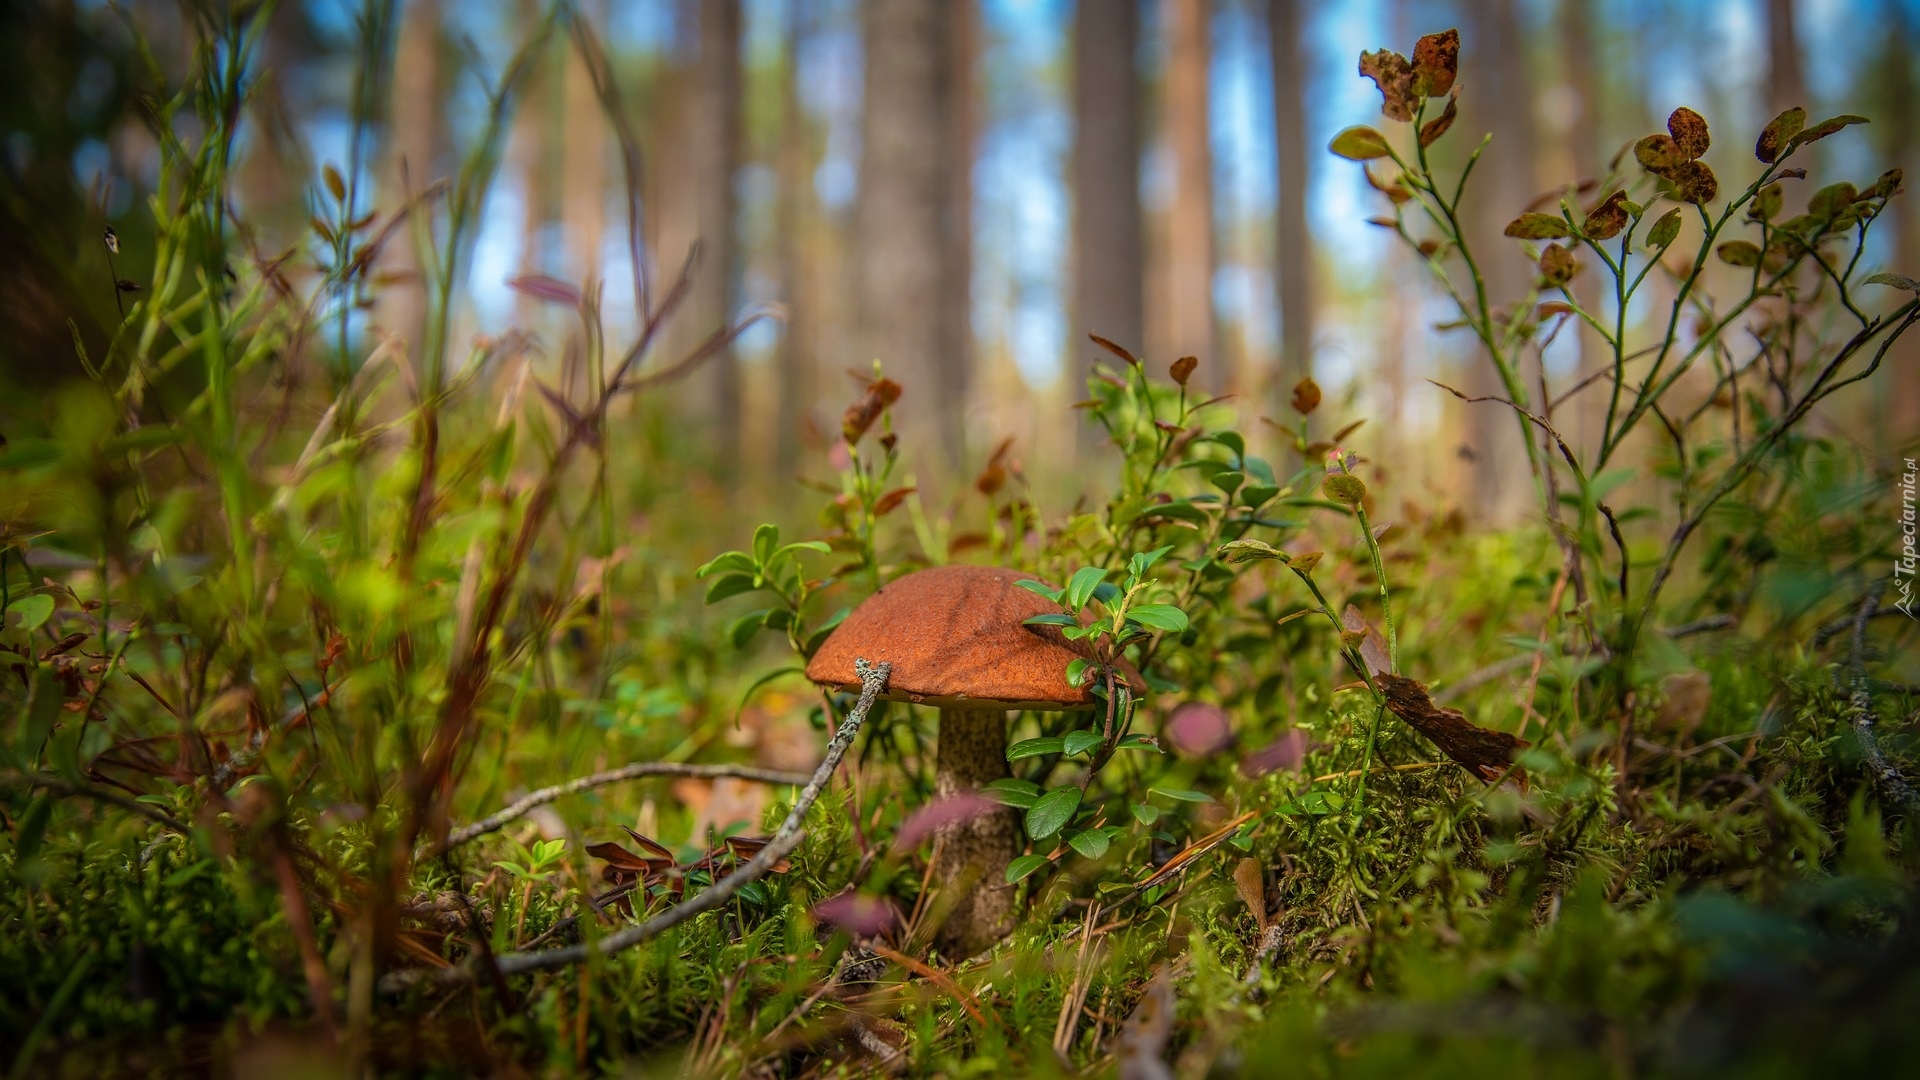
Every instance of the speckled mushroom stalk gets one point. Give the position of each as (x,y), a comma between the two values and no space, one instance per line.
(957,640)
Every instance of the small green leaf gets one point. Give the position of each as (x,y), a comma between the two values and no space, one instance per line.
(1343,489)
(1052,811)
(729,562)
(1044,590)
(1360,143)
(1013,791)
(729,586)
(741,630)
(32,827)
(1045,744)
(1137,741)
(1240,551)
(804,545)
(1143,561)
(1079,742)
(1080,588)
(766,539)
(1024,866)
(1077,671)
(1159,617)
(1145,813)
(1665,230)
(1051,619)
(1254,496)
(1181,795)
(32,610)
(1227,480)
(1089,842)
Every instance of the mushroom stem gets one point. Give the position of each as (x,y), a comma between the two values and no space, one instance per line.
(971,752)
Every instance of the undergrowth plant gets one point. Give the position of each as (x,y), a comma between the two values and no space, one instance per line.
(294,601)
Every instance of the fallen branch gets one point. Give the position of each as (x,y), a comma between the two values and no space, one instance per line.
(1893,787)
(61,786)
(787,837)
(526,805)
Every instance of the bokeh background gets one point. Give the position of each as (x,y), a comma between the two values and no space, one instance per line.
(961,190)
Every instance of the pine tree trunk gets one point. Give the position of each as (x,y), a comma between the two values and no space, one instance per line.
(1190,249)
(906,231)
(1108,287)
(1293,246)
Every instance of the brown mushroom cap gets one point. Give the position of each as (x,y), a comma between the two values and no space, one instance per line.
(955,636)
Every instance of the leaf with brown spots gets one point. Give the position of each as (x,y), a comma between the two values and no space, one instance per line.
(1436,60)
(1485,753)
(1557,266)
(1689,131)
(1394,76)
(1607,219)
(1825,128)
(1182,369)
(1659,155)
(1738,253)
(1778,133)
(1888,185)
(1694,183)
(1431,131)
(1766,204)
(1537,226)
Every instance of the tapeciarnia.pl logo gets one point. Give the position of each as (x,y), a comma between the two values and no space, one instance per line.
(1905,565)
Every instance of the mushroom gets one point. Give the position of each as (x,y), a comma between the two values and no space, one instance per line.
(957,640)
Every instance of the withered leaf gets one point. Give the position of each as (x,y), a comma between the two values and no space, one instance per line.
(1182,369)
(1537,226)
(1689,131)
(1739,253)
(1395,192)
(1778,133)
(1373,647)
(1436,60)
(1557,266)
(1394,76)
(862,413)
(1485,753)
(1693,182)
(1888,185)
(746,847)
(1306,396)
(1360,143)
(891,501)
(1607,219)
(1897,281)
(1825,128)
(1250,883)
(1431,131)
(336,186)
(1114,349)
(1659,154)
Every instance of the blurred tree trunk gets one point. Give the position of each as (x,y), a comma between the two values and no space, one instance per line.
(956,378)
(794,366)
(909,310)
(1503,185)
(1786,84)
(1585,414)
(1293,246)
(413,152)
(1190,224)
(1902,373)
(584,173)
(1108,246)
(713,146)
